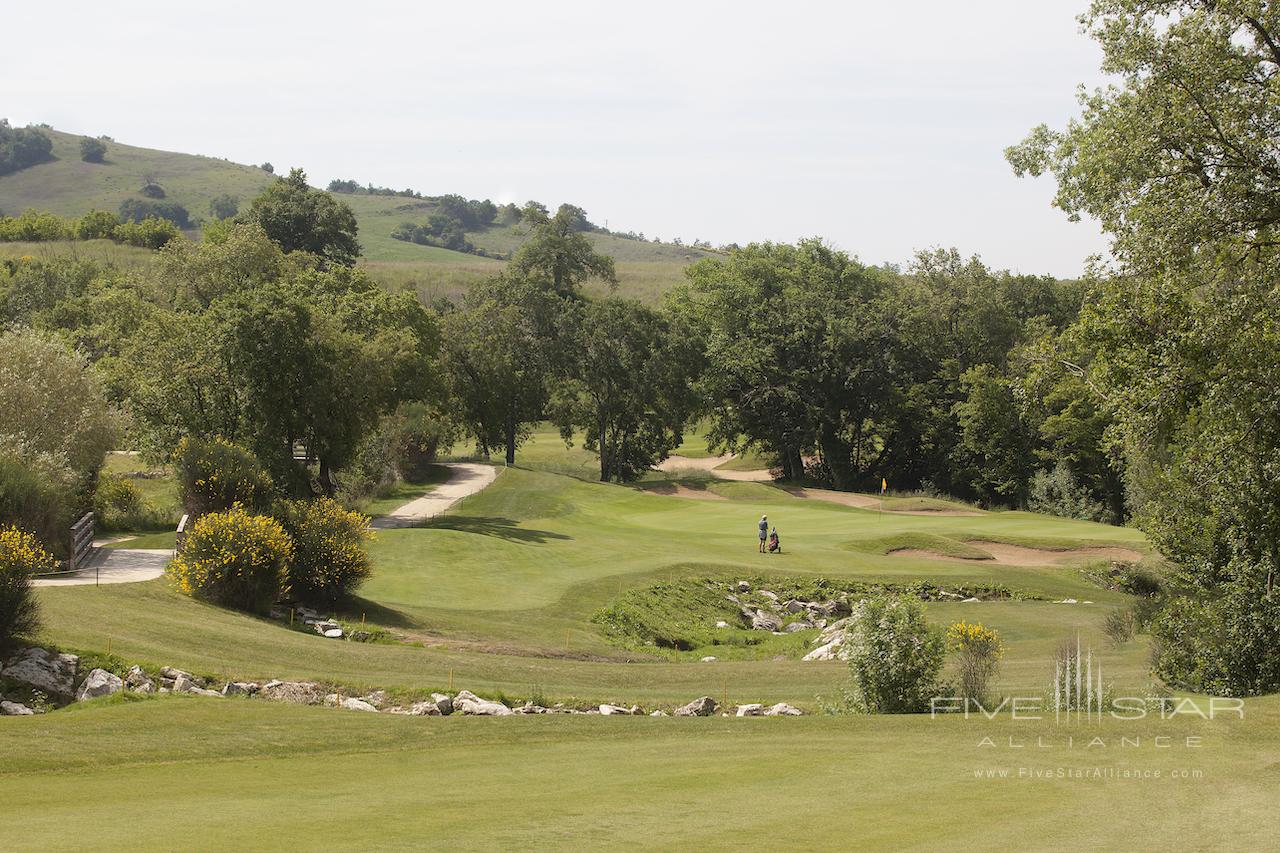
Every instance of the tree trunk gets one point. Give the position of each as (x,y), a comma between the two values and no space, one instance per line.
(511,439)
(836,454)
(326,478)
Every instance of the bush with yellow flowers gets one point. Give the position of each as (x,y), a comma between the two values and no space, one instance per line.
(235,559)
(978,651)
(215,475)
(21,556)
(329,558)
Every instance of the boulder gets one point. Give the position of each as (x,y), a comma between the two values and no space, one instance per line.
(703,706)
(763,621)
(444,703)
(297,692)
(754,709)
(742,586)
(200,691)
(422,709)
(708,659)
(469,703)
(658,714)
(14,709)
(185,684)
(798,625)
(50,672)
(530,708)
(782,709)
(720,623)
(137,680)
(377,698)
(794,606)
(97,683)
(353,704)
(834,650)
(610,710)
(240,688)
(772,596)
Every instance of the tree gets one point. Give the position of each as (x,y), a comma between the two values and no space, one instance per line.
(21,147)
(498,367)
(995,438)
(92,150)
(300,218)
(558,252)
(268,168)
(1178,163)
(629,387)
(224,206)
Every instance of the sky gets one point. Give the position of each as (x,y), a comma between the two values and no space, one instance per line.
(879,127)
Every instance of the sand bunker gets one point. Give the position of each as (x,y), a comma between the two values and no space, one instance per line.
(1020,555)
(869,502)
(709,463)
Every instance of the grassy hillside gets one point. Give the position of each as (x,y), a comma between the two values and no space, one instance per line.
(69,187)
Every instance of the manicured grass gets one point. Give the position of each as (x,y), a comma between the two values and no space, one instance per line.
(502,593)
(227,774)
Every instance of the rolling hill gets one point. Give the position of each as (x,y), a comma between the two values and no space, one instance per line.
(67,186)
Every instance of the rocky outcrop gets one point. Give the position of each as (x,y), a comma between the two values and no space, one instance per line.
(470,704)
(98,683)
(296,692)
(50,672)
(138,681)
(240,688)
(703,706)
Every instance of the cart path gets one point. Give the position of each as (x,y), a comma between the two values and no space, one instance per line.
(467,479)
(114,565)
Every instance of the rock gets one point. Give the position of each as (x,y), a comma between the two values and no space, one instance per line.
(658,714)
(50,672)
(742,586)
(708,659)
(798,625)
(444,703)
(377,698)
(834,650)
(353,704)
(327,628)
(1067,601)
(97,683)
(703,706)
(469,703)
(297,692)
(754,709)
(422,709)
(971,600)
(762,621)
(14,709)
(610,710)
(185,684)
(333,634)
(840,607)
(782,709)
(794,606)
(720,623)
(172,674)
(530,708)
(772,596)
(200,691)
(830,632)
(240,688)
(138,680)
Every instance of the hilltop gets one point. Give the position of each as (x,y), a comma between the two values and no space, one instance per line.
(66,185)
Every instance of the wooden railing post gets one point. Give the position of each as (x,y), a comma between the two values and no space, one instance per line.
(81,543)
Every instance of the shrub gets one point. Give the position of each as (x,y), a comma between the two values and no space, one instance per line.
(1119,625)
(329,560)
(224,206)
(34,226)
(21,147)
(1225,645)
(978,651)
(215,475)
(119,504)
(21,556)
(136,210)
(234,559)
(149,233)
(96,225)
(37,494)
(152,190)
(894,656)
(1058,493)
(92,150)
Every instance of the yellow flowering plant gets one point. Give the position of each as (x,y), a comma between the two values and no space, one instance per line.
(329,558)
(978,650)
(21,556)
(236,559)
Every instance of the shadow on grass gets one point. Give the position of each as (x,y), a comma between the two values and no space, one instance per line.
(379,614)
(497,526)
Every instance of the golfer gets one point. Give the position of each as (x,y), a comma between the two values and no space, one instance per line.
(764,531)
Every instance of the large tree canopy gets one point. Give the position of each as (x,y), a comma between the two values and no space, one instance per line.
(302,219)
(1179,163)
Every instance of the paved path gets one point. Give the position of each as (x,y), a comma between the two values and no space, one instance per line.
(467,479)
(115,565)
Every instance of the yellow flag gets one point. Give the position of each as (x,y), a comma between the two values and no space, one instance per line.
(884,485)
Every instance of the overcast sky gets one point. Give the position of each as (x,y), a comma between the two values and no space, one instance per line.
(878,126)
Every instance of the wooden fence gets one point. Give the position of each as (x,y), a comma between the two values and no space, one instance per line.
(81,543)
